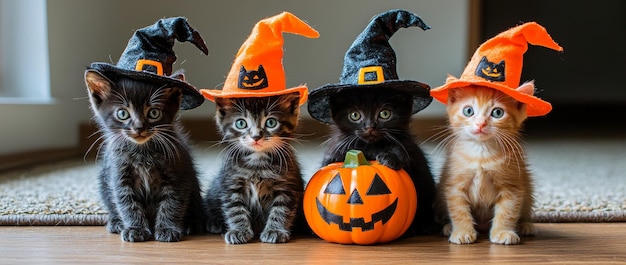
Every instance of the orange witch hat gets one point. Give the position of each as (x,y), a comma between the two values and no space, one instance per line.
(258,67)
(497,64)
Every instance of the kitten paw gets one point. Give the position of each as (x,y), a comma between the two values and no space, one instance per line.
(238,236)
(527,229)
(504,237)
(168,234)
(389,160)
(462,236)
(447,230)
(135,234)
(274,236)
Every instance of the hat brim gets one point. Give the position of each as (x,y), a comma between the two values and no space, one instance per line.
(319,99)
(211,94)
(191,97)
(534,105)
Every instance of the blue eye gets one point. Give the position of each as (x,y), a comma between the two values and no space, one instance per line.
(271,123)
(122,114)
(468,111)
(355,116)
(154,114)
(384,114)
(497,113)
(241,124)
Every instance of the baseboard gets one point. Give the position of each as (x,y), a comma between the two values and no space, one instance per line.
(26,159)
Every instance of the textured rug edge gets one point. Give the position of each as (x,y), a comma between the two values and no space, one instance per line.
(53,220)
(100,219)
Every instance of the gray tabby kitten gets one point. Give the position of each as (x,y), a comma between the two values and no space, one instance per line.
(148,181)
(259,188)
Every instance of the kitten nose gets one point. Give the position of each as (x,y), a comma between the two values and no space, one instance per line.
(257,137)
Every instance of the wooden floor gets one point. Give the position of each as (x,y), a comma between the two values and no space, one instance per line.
(554,244)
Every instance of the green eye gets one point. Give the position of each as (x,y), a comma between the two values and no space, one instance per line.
(271,123)
(497,113)
(241,124)
(355,116)
(468,111)
(154,114)
(384,114)
(122,114)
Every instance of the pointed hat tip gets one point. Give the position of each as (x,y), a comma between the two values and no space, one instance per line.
(535,34)
(288,22)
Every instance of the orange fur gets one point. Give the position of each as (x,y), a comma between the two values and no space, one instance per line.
(485,182)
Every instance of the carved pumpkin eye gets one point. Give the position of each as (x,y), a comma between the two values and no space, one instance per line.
(335,186)
(378,187)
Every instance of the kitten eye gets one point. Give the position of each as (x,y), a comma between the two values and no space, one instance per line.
(497,113)
(355,116)
(384,114)
(241,124)
(154,114)
(468,111)
(271,123)
(122,114)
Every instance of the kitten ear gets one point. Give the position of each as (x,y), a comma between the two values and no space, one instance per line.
(98,86)
(173,95)
(222,104)
(527,88)
(180,75)
(291,103)
(452,95)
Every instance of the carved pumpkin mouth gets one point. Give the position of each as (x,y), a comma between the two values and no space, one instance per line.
(383,216)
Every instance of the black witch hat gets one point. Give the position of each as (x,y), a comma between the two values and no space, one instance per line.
(149,57)
(371,62)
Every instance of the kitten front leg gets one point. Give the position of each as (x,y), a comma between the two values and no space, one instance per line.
(169,220)
(461,228)
(239,228)
(279,219)
(136,227)
(505,220)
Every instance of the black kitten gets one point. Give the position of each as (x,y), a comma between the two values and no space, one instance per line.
(378,124)
(148,181)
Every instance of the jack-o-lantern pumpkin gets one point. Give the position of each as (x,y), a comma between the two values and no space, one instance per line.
(359,202)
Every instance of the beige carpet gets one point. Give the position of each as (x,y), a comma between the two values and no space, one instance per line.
(577,180)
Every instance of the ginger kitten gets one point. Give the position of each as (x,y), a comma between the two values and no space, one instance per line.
(485,182)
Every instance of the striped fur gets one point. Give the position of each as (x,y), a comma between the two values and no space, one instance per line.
(148,181)
(259,189)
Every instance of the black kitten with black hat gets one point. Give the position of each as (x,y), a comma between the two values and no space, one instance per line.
(148,180)
(370,110)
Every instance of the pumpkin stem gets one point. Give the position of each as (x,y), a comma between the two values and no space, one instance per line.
(355,158)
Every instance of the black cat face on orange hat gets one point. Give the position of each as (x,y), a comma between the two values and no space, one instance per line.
(497,64)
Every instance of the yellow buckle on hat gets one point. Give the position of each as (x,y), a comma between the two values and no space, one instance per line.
(378,70)
(142,62)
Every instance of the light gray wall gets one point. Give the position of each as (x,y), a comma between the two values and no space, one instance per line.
(81,32)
